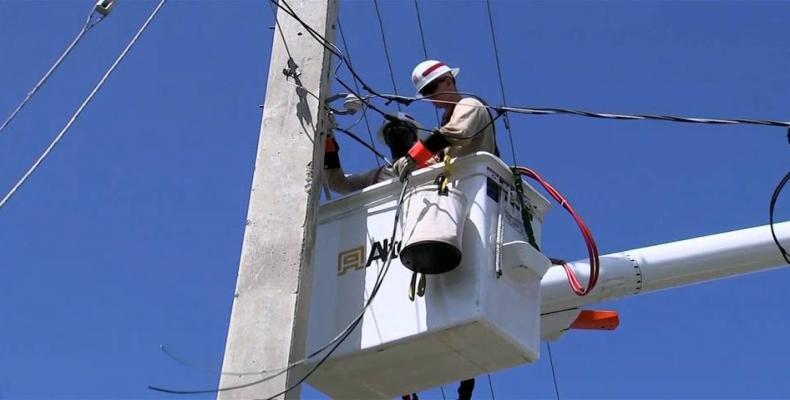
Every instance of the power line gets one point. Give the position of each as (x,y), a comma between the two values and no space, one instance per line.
(386,50)
(82,107)
(356,85)
(501,81)
(491,387)
(89,23)
(553,372)
(422,32)
(521,110)
(424,49)
(771,208)
(592,114)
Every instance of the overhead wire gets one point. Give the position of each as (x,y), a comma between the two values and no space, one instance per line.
(87,26)
(553,372)
(386,49)
(771,209)
(521,110)
(491,387)
(506,119)
(592,114)
(369,147)
(424,48)
(356,85)
(84,104)
(332,48)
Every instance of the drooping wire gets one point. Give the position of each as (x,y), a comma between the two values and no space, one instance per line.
(501,80)
(422,32)
(553,372)
(331,47)
(334,343)
(592,114)
(491,387)
(89,23)
(83,105)
(336,51)
(386,49)
(771,208)
(356,85)
(280,30)
(192,365)
(424,48)
(521,110)
(369,147)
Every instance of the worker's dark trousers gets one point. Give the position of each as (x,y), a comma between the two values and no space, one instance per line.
(465,389)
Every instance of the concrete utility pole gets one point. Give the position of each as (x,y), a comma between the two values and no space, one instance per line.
(268,322)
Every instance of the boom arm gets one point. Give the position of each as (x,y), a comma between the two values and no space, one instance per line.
(660,267)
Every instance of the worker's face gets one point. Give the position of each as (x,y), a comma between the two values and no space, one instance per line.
(440,90)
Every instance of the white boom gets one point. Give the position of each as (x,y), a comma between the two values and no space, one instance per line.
(660,267)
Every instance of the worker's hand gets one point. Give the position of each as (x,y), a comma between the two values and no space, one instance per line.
(331,156)
(404,166)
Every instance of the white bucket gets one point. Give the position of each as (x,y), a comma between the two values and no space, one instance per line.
(432,227)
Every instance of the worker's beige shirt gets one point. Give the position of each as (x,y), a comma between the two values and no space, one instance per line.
(341,183)
(469,117)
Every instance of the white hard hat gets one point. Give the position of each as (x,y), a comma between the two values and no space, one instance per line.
(427,71)
(403,117)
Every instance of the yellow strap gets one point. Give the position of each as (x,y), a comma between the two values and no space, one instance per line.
(447,172)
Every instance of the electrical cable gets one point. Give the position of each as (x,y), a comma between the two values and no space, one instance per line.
(334,343)
(82,106)
(356,85)
(526,110)
(592,247)
(553,372)
(87,26)
(491,387)
(386,49)
(506,120)
(771,209)
(591,114)
(188,364)
(424,49)
(362,142)
(334,50)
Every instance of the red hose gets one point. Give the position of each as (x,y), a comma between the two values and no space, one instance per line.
(592,248)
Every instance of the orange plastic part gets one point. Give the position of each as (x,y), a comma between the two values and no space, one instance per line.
(597,320)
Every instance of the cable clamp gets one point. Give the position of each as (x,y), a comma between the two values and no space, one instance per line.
(292,70)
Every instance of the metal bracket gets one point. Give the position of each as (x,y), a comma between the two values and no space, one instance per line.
(292,70)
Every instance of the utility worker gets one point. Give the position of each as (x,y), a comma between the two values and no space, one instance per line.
(467,125)
(399,133)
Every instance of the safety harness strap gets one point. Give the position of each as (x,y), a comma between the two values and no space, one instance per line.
(526,213)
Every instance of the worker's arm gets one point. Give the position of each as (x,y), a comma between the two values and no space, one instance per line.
(469,119)
(336,179)
(341,183)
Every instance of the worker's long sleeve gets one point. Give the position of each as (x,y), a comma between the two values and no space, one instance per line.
(470,129)
(341,183)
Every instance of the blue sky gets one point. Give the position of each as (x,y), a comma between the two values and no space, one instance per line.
(129,235)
